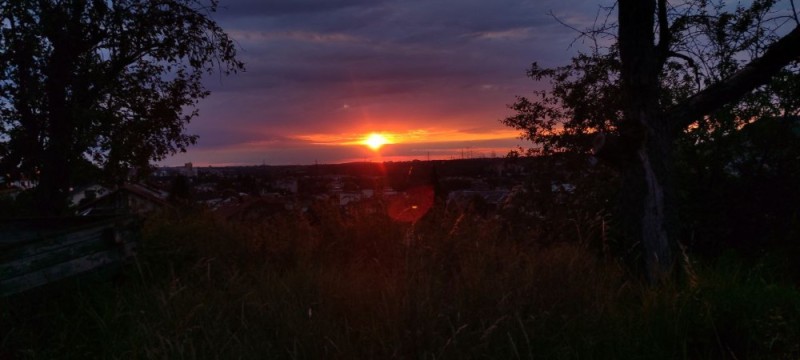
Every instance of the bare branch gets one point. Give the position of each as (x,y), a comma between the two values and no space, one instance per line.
(598,29)
(689,61)
(758,72)
(664,33)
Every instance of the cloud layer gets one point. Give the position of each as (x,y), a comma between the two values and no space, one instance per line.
(357,66)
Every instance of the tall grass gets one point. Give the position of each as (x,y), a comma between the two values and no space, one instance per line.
(359,285)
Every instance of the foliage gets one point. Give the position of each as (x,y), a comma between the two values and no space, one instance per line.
(583,99)
(112,83)
(710,42)
(701,43)
(740,189)
(358,285)
(180,190)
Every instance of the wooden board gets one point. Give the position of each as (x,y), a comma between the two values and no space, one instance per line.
(35,252)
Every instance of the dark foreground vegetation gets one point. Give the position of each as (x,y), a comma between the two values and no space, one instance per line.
(360,285)
(682,244)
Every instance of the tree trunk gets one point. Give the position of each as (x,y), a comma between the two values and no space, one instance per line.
(644,208)
(647,207)
(643,125)
(654,160)
(54,179)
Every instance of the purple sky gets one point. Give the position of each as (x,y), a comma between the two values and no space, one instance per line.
(434,75)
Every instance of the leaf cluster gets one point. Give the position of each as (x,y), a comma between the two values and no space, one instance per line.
(730,165)
(583,98)
(131,73)
(701,42)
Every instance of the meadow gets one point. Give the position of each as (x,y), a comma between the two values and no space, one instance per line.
(358,285)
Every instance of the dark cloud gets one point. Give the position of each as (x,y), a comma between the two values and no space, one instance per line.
(287,7)
(317,66)
(226,136)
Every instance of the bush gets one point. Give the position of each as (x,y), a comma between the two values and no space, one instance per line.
(358,285)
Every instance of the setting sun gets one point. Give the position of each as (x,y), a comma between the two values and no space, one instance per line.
(375,141)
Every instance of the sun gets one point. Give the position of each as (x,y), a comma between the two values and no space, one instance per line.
(375,141)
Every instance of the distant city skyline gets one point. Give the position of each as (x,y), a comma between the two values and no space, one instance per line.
(433,76)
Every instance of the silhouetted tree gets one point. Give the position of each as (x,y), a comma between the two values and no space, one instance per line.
(180,190)
(671,69)
(114,82)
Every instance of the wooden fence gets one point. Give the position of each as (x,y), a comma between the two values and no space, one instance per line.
(35,252)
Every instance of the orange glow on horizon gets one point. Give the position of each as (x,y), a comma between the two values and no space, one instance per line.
(409,136)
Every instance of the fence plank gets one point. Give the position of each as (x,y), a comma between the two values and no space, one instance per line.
(41,252)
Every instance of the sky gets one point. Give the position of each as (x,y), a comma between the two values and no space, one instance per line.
(433,76)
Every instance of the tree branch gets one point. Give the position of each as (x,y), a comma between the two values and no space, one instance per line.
(664,32)
(758,72)
(689,61)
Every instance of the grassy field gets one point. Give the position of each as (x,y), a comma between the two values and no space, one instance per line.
(360,285)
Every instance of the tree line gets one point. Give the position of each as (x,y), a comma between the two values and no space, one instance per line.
(676,78)
(109,83)
(659,98)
